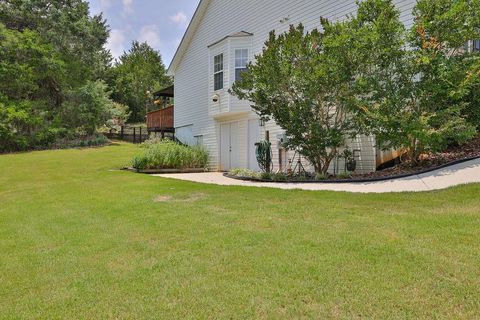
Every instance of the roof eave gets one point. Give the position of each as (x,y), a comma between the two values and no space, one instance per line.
(240,34)
(192,26)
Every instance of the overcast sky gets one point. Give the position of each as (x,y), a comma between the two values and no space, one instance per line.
(161,23)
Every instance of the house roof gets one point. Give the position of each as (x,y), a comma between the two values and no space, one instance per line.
(233,35)
(166,92)
(187,37)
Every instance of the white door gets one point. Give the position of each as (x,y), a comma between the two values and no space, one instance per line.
(230,146)
(235,140)
(253,138)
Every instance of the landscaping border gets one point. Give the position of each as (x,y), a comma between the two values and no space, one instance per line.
(374,179)
(166,171)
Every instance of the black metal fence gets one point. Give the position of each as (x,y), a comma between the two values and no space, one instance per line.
(138,134)
(129,134)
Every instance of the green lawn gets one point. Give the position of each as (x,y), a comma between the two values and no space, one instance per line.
(80,239)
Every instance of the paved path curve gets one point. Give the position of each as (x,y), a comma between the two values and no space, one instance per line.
(463,173)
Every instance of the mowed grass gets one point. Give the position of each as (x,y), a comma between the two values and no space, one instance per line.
(80,239)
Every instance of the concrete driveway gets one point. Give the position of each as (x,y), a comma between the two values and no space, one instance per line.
(463,173)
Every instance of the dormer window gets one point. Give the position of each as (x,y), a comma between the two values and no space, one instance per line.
(218,72)
(228,59)
(241,60)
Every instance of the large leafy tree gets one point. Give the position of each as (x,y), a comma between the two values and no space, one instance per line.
(137,74)
(88,107)
(49,51)
(302,80)
(384,77)
(324,87)
(413,88)
(66,25)
(470,91)
(441,30)
(30,73)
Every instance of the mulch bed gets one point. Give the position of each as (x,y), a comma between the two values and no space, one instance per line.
(468,151)
(451,156)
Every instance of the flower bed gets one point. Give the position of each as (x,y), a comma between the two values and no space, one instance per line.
(159,156)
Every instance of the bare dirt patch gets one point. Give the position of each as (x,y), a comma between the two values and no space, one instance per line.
(162,199)
(193,197)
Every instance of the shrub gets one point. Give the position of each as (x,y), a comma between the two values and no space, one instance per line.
(244,173)
(266,176)
(95,140)
(343,176)
(153,140)
(170,155)
(300,177)
(279,177)
(321,176)
(119,114)
(140,163)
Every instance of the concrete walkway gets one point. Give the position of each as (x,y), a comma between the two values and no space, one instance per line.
(467,172)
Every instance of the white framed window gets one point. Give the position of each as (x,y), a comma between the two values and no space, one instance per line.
(241,61)
(218,72)
(476,46)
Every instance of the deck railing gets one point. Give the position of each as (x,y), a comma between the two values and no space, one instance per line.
(160,119)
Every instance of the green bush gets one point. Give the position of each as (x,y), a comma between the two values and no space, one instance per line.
(300,177)
(49,90)
(344,176)
(321,176)
(68,142)
(89,107)
(244,173)
(278,177)
(140,163)
(167,154)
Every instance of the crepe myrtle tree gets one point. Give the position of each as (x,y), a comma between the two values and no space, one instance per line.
(414,87)
(302,80)
(448,78)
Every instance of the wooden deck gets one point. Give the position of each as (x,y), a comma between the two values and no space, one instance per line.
(160,120)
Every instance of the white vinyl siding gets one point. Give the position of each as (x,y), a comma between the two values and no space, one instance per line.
(185,135)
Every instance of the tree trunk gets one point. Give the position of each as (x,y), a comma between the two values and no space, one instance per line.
(326,165)
(322,165)
(413,151)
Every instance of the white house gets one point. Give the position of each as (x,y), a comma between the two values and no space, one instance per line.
(221,38)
